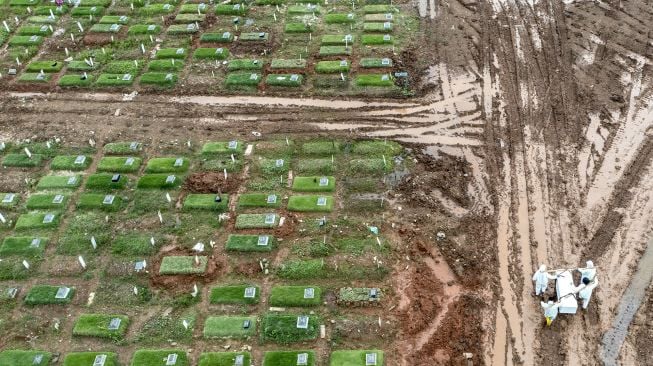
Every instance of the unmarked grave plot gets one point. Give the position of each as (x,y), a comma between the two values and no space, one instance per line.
(371,166)
(183,265)
(225,359)
(46,294)
(23,160)
(91,359)
(321,147)
(314,184)
(249,200)
(287,328)
(297,296)
(25,358)
(281,358)
(135,245)
(101,326)
(315,166)
(376,147)
(310,203)
(274,166)
(229,327)
(250,243)
(161,357)
(356,358)
(254,221)
(126,164)
(212,202)
(27,246)
(237,294)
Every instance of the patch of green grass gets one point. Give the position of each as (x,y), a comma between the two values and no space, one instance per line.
(219,164)
(23,358)
(304,9)
(248,200)
(122,148)
(332,67)
(321,147)
(281,358)
(183,28)
(278,63)
(369,166)
(46,294)
(286,80)
(86,11)
(34,30)
(312,184)
(315,166)
(274,166)
(76,238)
(249,243)
(115,80)
(255,221)
(385,27)
(87,358)
(254,37)
(384,80)
(206,202)
(159,329)
(302,269)
(293,296)
(114,19)
(25,40)
(310,203)
(339,18)
(231,9)
(223,147)
(211,53)
(243,79)
(44,201)
(120,164)
(154,9)
(72,80)
(34,220)
(102,182)
(193,8)
(45,10)
(81,66)
(375,62)
(282,328)
(105,28)
(167,165)
(97,325)
(133,245)
(13,269)
(123,67)
(353,358)
(224,37)
(245,64)
(28,246)
(22,160)
(165,65)
(67,162)
(144,29)
(96,201)
(157,357)
(233,295)
(224,358)
(158,181)
(375,39)
(298,28)
(183,265)
(367,147)
(159,78)
(378,17)
(376,9)
(335,50)
(229,327)
(104,3)
(35,77)
(152,201)
(337,39)
(14,200)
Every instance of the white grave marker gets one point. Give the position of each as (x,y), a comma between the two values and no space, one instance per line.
(36,242)
(309,293)
(152,240)
(129,161)
(370,359)
(168,197)
(171,360)
(25,264)
(324,181)
(250,292)
(240,360)
(195,289)
(37,359)
(58,199)
(108,199)
(302,322)
(302,359)
(93,242)
(114,324)
(100,360)
(82,262)
(272,199)
(321,201)
(170,179)
(28,153)
(62,292)
(185,324)
(270,218)
(72,181)
(179,162)
(9,198)
(48,218)
(263,240)
(2,219)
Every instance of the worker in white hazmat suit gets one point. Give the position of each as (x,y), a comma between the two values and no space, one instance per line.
(550,310)
(588,272)
(585,293)
(541,278)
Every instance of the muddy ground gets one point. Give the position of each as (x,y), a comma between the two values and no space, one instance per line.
(534,145)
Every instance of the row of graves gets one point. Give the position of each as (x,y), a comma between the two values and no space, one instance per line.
(232,47)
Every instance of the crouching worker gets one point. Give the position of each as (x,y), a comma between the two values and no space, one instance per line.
(585,293)
(550,311)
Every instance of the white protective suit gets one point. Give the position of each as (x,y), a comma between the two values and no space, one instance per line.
(589,271)
(586,292)
(541,278)
(550,310)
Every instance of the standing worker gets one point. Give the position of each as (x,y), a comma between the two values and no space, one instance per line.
(550,311)
(588,272)
(541,278)
(586,292)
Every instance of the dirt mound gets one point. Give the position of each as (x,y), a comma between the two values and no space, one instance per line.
(247,268)
(176,284)
(461,331)
(424,292)
(212,182)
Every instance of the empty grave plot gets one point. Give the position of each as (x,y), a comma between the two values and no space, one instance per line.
(356,358)
(91,359)
(376,147)
(101,326)
(99,201)
(118,164)
(295,296)
(134,245)
(159,181)
(160,357)
(44,201)
(165,65)
(123,148)
(28,246)
(167,165)
(281,358)
(315,166)
(46,294)
(236,294)
(106,181)
(212,202)
(274,166)
(321,147)
(70,162)
(359,296)
(250,243)
(176,265)
(225,359)
(230,327)
(310,203)
(251,200)
(314,184)
(257,221)
(37,220)
(370,166)
(23,160)
(287,328)
(25,358)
